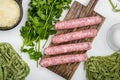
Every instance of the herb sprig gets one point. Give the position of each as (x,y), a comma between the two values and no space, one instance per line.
(42,15)
(114,6)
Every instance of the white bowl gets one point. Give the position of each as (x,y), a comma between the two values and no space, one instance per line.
(113,37)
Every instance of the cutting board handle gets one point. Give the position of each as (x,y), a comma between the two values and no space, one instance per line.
(92,4)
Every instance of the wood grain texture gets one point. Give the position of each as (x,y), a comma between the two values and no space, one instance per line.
(77,10)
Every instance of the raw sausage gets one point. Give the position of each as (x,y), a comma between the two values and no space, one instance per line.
(74,23)
(74,36)
(61,49)
(63,59)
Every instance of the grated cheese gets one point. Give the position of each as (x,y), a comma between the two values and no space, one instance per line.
(9,13)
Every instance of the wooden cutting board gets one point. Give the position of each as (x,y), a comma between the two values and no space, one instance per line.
(77,10)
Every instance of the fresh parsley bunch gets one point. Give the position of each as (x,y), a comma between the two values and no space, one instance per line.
(42,15)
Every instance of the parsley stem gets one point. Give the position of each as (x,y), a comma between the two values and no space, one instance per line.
(38,46)
(111,3)
(114,7)
(45,43)
(38,49)
(37,63)
(46,9)
(48,19)
(22,47)
(46,23)
(117,10)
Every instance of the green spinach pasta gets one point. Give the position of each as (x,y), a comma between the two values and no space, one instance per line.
(103,68)
(12,67)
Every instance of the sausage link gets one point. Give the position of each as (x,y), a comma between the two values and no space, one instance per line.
(74,36)
(57,60)
(81,22)
(61,49)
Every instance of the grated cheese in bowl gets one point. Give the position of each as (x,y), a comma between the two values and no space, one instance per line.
(9,13)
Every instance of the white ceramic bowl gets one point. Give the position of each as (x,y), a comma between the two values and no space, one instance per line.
(113,37)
